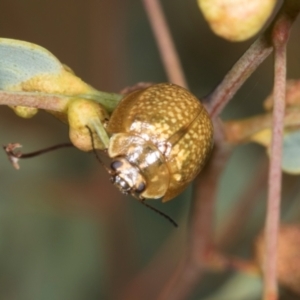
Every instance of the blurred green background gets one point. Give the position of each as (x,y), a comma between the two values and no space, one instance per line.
(65,231)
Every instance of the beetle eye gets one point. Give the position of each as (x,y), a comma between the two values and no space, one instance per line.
(115,165)
(140,188)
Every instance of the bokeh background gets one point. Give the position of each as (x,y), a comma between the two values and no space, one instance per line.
(65,231)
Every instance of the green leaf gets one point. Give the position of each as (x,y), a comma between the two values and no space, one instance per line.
(26,67)
(20,61)
(291,152)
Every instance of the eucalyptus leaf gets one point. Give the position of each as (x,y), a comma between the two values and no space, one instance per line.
(20,61)
(31,68)
(27,68)
(291,152)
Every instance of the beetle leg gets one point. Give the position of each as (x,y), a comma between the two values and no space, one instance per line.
(98,127)
(83,113)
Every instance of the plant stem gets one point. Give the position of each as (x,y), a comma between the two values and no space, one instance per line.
(193,264)
(36,100)
(165,43)
(280,37)
(201,244)
(108,100)
(150,280)
(249,62)
(55,102)
(182,281)
(238,74)
(274,184)
(241,131)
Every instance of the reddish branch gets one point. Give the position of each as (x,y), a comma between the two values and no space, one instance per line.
(280,38)
(200,243)
(36,100)
(249,62)
(239,73)
(165,43)
(241,131)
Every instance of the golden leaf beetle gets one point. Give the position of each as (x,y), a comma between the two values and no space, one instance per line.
(160,139)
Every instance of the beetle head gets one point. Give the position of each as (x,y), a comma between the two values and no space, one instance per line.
(127,177)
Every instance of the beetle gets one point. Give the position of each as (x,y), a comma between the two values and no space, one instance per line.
(160,139)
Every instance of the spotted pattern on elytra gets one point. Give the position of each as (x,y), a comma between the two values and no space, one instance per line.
(158,113)
(175,121)
(189,155)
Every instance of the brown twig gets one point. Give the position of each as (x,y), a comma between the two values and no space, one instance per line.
(241,131)
(238,74)
(165,43)
(200,242)
(219,262)
(193,264)
(280,38)
(36,100)
(249,62)
(151,279)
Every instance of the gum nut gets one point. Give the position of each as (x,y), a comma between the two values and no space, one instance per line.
(25,112)
(236,20)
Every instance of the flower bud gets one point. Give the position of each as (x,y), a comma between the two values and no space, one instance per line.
(236,20)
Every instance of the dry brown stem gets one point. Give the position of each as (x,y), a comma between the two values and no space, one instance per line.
(280,38)
(36,100)
(241,131)
(250,61)
(200,243)
(165,43)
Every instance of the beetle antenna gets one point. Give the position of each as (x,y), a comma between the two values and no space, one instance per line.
(159,212)
(142,201)
(14,155)
(9,149)
(95,152)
